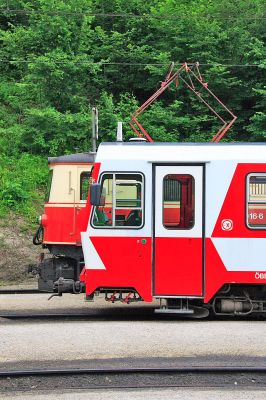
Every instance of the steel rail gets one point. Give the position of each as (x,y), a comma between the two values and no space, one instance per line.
(91,315)
(134,370)
(20,291)
(45,315)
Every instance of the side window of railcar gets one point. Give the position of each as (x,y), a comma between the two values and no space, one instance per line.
(84,184)
(256,201)
(178,201)
(122,202)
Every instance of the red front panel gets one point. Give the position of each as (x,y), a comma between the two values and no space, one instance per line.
(63,224)
(128,265)
(178,266)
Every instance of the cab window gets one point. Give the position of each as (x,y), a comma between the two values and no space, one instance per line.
(122,202)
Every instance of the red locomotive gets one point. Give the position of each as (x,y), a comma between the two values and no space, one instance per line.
(65,216)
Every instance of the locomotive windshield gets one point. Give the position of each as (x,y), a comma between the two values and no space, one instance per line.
(123,203)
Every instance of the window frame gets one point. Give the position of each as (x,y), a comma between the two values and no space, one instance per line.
(142,208)
(257,227)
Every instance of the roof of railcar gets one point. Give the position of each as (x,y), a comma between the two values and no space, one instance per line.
(181,152)
(76,158)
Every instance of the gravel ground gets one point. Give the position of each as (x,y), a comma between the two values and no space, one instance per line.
(173,394)
(83,340)
(125,335)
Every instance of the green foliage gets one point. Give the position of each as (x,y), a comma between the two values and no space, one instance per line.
(60,58)
(13,193)
(22,183)
(257,127)
(58,71)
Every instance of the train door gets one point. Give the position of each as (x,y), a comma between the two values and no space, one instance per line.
(178,231)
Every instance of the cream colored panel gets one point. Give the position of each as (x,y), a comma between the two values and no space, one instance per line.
(65,183)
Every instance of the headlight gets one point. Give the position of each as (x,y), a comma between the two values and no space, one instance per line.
(43,220)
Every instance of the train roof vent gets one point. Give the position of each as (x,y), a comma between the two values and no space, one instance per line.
(138,139)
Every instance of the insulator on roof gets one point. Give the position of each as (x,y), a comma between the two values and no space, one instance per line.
(119,133)
(138,139)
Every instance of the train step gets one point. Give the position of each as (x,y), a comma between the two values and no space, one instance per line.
(192,312)
(173,311)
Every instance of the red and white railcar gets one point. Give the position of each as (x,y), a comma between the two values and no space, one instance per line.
(185,223)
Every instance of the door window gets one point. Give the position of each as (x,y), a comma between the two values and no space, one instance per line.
(178,201)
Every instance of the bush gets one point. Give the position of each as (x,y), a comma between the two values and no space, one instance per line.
(12,194)
(22,185)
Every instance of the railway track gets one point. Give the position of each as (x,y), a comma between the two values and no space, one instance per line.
(244,377)
(142,370)
(45,315)
(20,291)
(90,314)
(95,314)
